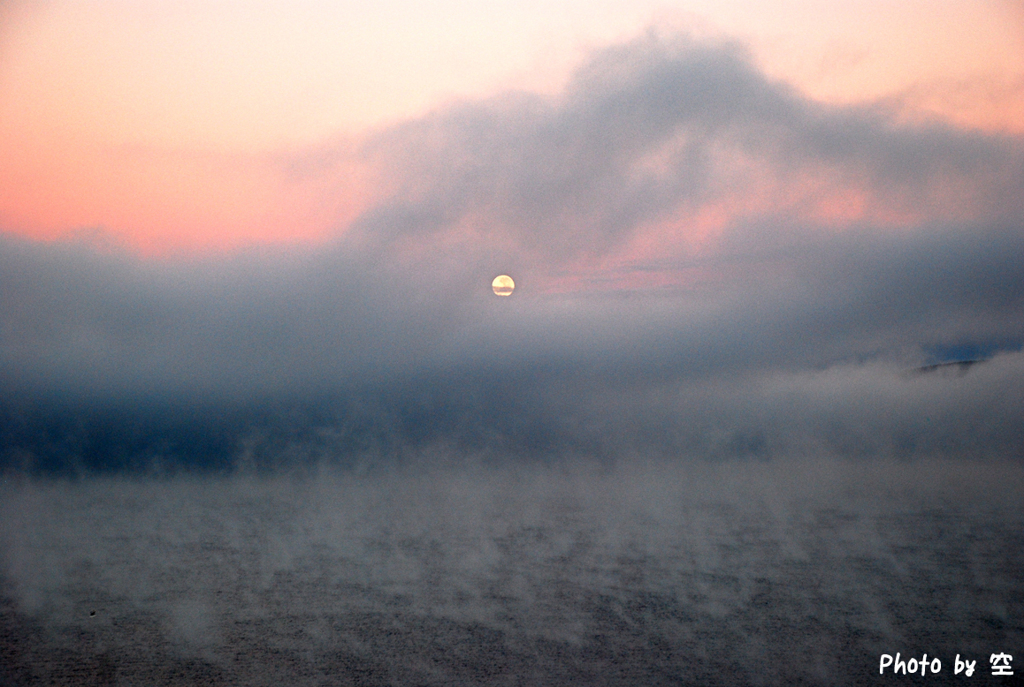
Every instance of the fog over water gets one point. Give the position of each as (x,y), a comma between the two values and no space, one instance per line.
(753,415)
(658,572)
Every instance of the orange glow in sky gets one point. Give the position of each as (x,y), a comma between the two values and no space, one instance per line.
(197,126)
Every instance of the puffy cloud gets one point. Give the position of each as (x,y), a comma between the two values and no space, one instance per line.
(660,129)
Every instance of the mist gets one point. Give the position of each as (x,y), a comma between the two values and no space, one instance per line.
(751,416)
(736,572)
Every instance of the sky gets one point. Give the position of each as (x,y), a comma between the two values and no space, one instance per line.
(174,128)
(729,224)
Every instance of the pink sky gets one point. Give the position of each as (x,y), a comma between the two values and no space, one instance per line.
(176,127)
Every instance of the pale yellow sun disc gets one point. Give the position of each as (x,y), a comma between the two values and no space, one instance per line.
(503,285)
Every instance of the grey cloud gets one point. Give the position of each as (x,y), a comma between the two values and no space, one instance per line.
(565,175)
(81,317)
(398,311)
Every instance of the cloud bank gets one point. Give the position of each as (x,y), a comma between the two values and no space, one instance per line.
(696,247)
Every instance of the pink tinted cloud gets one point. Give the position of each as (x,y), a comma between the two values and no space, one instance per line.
(660,151)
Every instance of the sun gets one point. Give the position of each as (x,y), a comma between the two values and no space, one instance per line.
(503,285)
